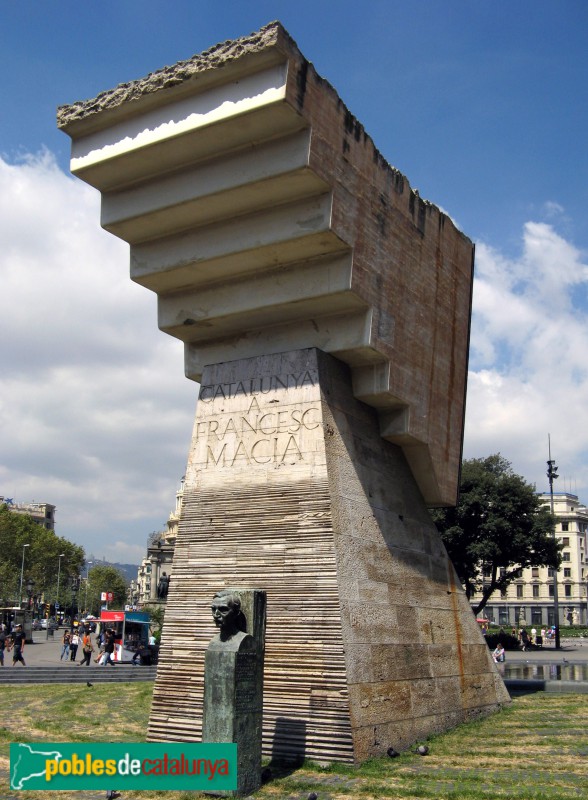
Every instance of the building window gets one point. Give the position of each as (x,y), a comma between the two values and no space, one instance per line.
(536,616)
(566,556)
(568,590)
(550,589)
(535,590)
(519,590)
(565,526)
(535,572)
(566,541)
(567,572)
(550,573)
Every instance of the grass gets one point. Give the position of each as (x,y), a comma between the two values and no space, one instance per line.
(536,749)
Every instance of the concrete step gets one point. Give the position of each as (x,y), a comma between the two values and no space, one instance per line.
(121,673)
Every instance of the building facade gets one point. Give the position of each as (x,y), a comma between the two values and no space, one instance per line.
(41,513)
(529,600)
(155,569)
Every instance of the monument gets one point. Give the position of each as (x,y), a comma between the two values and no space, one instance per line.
(233,681)
(324,307)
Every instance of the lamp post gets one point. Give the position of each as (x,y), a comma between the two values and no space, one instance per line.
(87,574)
(552,475)
(21,575)
(75,585)
(61,555)
(29,588)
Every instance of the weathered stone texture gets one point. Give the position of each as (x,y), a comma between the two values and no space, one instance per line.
(362,631)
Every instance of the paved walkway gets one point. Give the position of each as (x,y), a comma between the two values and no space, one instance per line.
(572,650)
(45,652)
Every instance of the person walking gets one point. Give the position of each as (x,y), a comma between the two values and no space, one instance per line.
(18,643)
(2,645)
(73,645)
(87,649)
(66,639)
(109,648)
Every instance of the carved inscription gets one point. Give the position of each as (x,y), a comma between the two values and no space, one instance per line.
(266,431)
(256,386)
(247,694)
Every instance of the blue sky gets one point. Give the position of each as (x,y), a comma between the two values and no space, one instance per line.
(482,105)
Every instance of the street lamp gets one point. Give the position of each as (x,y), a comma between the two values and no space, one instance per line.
(30,587)
(75,585)
(87,574)
(21,575)
(552,475)
(61,555)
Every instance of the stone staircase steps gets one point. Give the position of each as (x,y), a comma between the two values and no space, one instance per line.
(122,673)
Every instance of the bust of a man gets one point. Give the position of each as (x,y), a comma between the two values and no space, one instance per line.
(228,618)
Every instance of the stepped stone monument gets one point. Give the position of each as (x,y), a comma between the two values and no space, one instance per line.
(324,307)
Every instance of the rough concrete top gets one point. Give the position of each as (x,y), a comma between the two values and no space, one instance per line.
(212,59)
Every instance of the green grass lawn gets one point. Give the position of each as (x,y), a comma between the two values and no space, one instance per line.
(535,748)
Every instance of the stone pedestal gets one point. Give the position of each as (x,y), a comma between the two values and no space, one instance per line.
(233,692)
(370,640)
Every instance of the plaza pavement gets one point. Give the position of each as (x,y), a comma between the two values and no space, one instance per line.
(45,652)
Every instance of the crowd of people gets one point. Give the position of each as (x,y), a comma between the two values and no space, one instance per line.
(77,646)
(103,652)
(534,639)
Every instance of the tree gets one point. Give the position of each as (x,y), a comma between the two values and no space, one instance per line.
(103,579)
(498,527)
(156,615)
(42,562)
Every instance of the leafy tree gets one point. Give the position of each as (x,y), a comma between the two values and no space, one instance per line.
(102,579)
(498,527)
(42,563)
(156,613)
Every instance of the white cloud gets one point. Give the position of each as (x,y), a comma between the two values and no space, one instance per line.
(95,413)
(528,367)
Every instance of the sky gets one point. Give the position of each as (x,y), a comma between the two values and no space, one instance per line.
(481,105)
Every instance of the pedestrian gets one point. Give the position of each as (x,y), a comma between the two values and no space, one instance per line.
(109,648)
(525,641)
(73,645)
(18,643)
(100,655)
(2,645)
(66,639)
(87,649)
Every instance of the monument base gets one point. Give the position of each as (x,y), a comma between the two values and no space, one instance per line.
(370,641)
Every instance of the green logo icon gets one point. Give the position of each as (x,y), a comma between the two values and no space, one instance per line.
(118,766)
